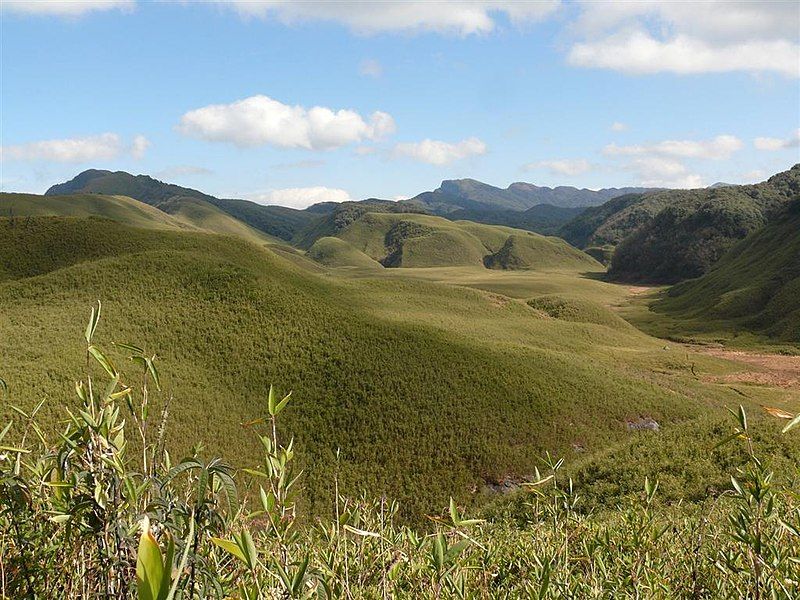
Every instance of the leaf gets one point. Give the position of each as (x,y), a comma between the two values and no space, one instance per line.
(283,403)
(230,547)
(149,565)
(362,532)
(778,412)
(90,327)
(439,545)
(187,544)
(271,401)
(151,367)
(793,423)
(104,362)
(3,385)
(297,582)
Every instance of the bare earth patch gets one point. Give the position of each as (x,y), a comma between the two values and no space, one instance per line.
(774,369)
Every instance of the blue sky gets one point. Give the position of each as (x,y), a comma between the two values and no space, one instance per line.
(221,96)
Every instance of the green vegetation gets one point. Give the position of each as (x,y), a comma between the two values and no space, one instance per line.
(577,310)
(363,354)
(409,240)
(333,252)
(755,288)
(103,510)
(697,227)
(117,208)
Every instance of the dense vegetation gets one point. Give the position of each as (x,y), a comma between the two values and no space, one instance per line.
(755,287)
(362,355)
(542,218)
(104,510)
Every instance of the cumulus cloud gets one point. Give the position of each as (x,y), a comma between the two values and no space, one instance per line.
(65,8)
(463,17)
(771,143)
(567,167)
(139,146)
(80,149)
(663,172)
(617,126)
(436,152)
(300,197)
(260,120)
(105,146)
(370,68)
(688,37)
(718,148)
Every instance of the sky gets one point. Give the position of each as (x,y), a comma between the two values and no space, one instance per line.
(296,102)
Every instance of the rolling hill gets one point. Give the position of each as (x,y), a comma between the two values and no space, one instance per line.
(413,240)
(696,227)
(430,389)
(275,221)
(754,287)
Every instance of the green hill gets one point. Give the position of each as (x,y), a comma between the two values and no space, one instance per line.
(117,208)
(429,389)
(207,217)
(333,252)
(275,221)
(696,227)
(755,287)
(415,240)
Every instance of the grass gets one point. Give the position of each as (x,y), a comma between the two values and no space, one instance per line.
(428,383)
(334,252)
(413,240)
(751,298)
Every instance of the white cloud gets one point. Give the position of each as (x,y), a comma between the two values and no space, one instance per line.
(561,167)
(770,143)
(300,197)
(65,8)
(462,17)
(617,126)
(105,146)
(139,146)
(436,152)
(260,120)
(688,37)
(663,172)
(370,67)
(718,148)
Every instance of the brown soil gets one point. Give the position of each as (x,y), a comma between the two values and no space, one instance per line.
(773,369)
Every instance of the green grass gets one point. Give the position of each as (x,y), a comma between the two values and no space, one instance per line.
(334,252)
(428,386)
(413,240)
(205,216)
(750,298)
(117,208)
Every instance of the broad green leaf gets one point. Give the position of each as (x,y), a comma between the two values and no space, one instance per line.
(149,565)
(231,548)
(283,403)
(104,362)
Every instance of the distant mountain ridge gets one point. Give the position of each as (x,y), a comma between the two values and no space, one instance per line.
(470,194)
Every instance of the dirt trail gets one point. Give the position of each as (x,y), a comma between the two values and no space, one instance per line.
(775,369)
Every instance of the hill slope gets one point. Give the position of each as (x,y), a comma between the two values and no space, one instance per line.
(754,287)
(227,318)
(469,194)
(414,240)
(117,208)
(275,221)
(696,227)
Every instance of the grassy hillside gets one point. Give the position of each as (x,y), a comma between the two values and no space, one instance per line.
(117,208)
(413,240)
(274,221)
(755,287)
(429,389)
(206,217)
(333,252)
(542,218)
(696,227)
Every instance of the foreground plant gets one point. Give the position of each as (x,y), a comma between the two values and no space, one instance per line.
(86,515)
